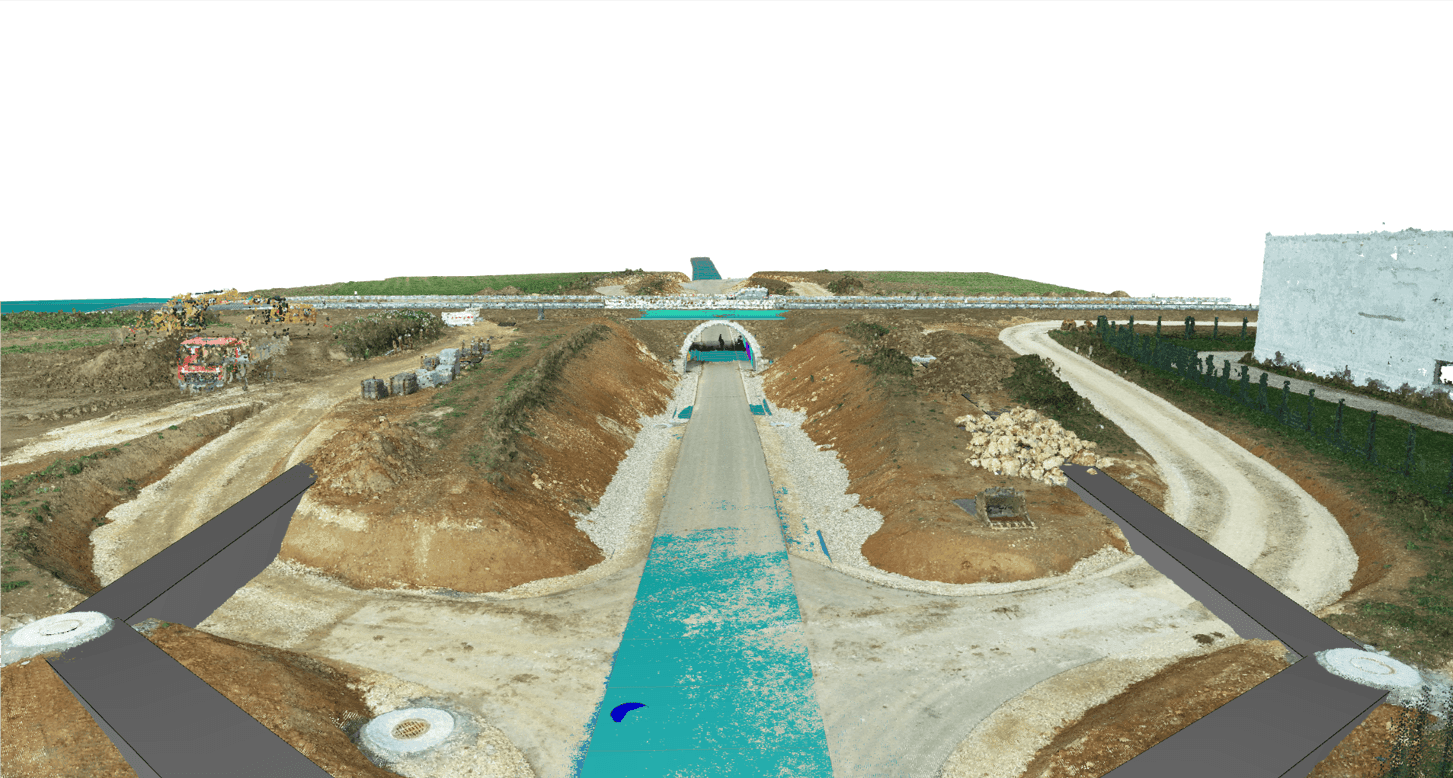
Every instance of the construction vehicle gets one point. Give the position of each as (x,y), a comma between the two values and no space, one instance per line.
(279,311)
(473,352)
(204,364)
(184,312)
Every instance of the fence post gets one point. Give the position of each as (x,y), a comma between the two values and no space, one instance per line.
(1243,327)
(1157,327)
(1286,388)
(1311,403)
(1245,386)
(1340,403)
(1215,327)
(1264,405)
(1371,453)
(1190,327)
(1449,488)
(1408,462)
(1225,378)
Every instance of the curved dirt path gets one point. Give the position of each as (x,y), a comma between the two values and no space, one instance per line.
(1241,504)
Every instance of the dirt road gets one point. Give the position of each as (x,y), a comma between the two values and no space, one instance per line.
(1241,504)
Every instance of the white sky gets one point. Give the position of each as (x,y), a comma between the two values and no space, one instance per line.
(148,149)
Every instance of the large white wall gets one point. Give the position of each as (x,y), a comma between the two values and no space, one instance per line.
(1380,304)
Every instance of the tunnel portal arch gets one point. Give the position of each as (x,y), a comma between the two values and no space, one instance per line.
(700,328)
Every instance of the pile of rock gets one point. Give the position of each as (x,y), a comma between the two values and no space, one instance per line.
(1024,444)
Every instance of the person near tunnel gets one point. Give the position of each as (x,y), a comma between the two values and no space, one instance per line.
(720,343)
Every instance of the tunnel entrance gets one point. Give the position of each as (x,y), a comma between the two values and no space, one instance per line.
(720,341)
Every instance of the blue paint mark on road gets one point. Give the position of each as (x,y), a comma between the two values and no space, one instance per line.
(618,713)
(685,412)
(824,545)
(715,655)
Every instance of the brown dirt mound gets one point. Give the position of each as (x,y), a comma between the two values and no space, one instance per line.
(61,544)
(95,370)
(443,524)
(656,284)
(1152,710)
(307,702)
(904,457)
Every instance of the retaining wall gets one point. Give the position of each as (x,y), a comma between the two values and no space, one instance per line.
(695,302)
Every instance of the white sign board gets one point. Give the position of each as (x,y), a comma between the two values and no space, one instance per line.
(461,318)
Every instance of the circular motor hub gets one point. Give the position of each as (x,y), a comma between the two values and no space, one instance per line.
(55,633)
(408,730)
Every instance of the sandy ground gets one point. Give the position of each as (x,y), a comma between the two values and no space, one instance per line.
(809,289)
(974,681)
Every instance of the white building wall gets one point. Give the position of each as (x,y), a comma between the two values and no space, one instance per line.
(1379,304)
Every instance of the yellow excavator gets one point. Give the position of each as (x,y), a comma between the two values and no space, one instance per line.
(185,312)
(279,311)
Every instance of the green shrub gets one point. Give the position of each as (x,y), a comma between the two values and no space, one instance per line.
(1035,385)
(845,285)
(527,390)
(774,287)
(374,334)
(866,331)
(886,361)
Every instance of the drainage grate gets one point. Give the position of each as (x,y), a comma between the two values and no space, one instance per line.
(410,728)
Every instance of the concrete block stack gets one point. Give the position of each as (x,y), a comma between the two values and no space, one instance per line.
(1024,444)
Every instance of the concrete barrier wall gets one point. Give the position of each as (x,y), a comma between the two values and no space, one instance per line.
(465,302)
(1379,304)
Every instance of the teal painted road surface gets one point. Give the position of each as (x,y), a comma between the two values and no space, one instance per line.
(680,315)
(713,667)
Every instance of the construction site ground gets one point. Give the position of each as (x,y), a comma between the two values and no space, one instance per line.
(348,624)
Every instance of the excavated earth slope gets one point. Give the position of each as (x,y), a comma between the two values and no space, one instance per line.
(394,508)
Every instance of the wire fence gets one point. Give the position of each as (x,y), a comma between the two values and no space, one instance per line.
(1185,363)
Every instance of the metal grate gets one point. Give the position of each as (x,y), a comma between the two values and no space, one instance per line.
(410,728)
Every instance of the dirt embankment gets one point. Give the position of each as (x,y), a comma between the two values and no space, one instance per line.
(310,704)
(905,459)
(391,510)
(51,519)
(1149,711)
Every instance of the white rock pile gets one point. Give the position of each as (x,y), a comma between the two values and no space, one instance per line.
(1024,444)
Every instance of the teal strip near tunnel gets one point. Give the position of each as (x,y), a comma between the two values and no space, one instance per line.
(715,654)
(725,315)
